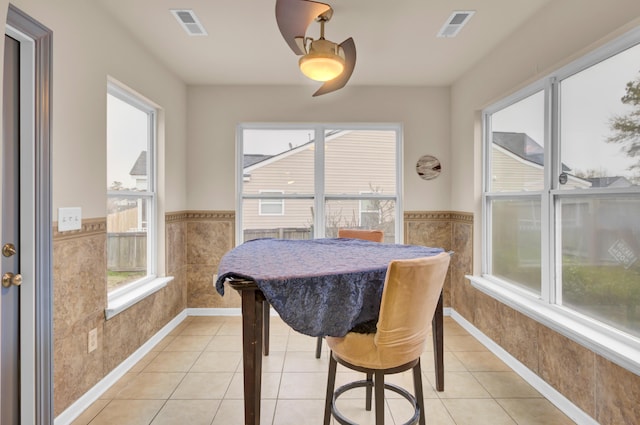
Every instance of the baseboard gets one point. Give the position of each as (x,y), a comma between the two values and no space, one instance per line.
(80,405)
(560,401)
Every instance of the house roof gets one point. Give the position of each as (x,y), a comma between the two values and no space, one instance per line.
(140,166)
(251,159)
(522,145)
(615,181)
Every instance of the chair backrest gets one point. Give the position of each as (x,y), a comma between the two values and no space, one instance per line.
(409,299)
(368,235)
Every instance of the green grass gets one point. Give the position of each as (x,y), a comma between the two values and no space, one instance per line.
(116,279)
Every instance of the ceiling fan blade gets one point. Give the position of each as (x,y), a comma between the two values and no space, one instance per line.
(349,48)
(294,17)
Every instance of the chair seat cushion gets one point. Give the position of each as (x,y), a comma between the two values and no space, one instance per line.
(360,349)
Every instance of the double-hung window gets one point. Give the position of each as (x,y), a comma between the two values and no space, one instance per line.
(561,199)
(131,196)
(327,176)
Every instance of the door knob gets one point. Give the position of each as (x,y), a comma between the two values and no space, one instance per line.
(9,279)
(9,249)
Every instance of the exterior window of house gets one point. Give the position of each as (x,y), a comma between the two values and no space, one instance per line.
(561,194)
(131,199)
(271,206)
(328,176)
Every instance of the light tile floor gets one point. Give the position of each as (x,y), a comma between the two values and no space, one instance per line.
(194,377)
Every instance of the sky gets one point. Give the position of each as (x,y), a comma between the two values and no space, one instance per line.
(589,100)
(272,142)
(127,130)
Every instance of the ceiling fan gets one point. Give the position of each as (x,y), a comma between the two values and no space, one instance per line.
(322,60)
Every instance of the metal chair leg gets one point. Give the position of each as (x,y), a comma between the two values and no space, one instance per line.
(368,391)
(331,383)
(417,387)
(318,347)
(379,389)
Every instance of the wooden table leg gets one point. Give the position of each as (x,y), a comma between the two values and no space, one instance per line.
(437,327)
(252,316)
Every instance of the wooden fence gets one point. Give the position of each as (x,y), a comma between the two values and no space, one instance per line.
(127,251)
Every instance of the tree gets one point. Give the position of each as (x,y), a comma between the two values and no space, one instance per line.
(626,127)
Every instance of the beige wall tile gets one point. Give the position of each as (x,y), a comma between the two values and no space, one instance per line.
(568,367)
(617,394)
(75,370)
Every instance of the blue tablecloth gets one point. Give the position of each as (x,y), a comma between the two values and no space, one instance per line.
(318,287)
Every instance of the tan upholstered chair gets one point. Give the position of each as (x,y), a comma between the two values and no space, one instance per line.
(409,299)
(367,235)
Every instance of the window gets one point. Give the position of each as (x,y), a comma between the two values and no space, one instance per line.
(271,206)
(561,192)
(328,176)
(131,185)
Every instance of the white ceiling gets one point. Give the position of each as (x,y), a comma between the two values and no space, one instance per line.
(395,39)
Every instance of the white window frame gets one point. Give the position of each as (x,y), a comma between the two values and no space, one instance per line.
(319,196)
(615,345)
(127,295)
(271,201)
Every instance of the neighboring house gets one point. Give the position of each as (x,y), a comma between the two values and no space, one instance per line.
(613,181)
(139,171)
(127,214)
(517,164)
(292,172)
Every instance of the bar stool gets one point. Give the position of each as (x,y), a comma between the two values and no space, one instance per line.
(409,299)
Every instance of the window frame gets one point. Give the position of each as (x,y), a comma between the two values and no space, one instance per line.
(320,197)
(618,346)
(130,293)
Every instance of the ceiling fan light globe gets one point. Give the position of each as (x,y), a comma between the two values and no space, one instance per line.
(321,66)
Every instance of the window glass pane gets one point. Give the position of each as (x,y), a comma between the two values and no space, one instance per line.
(126,240)
(599,130)
(359,161)
(295,223)
(517,146)
(348,213)
(271,207)
(515,240)
(278,160)
(127,146)
(601,267)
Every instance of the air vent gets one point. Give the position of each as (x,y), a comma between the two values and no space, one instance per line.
(454,24)
(189,21)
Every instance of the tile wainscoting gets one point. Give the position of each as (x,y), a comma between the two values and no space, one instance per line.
(197,240)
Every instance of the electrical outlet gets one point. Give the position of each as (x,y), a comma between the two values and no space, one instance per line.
(69,219)
(93,339)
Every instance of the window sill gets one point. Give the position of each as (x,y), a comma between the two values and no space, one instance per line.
(121,301)
(619,348)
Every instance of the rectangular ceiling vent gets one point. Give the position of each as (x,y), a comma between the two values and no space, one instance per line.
(189,21)
(454,24)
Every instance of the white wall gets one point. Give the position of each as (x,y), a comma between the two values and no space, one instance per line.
(559,33)
(88,46)
(214,113)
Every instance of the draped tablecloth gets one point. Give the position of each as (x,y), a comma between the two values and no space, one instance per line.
(318,287)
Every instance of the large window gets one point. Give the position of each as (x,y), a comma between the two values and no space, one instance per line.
(328,177)
(562,194)
(131,200)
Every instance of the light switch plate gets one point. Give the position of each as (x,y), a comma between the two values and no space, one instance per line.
(69,219)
